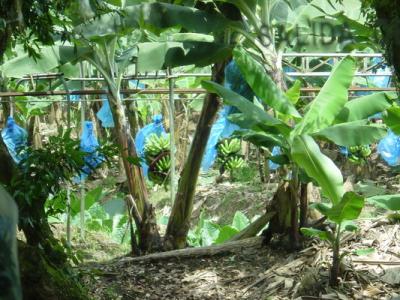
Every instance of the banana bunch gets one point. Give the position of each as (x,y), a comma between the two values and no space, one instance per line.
(228,147)
(229,157)
(159,171)
(155,145)
(158,157)
(235,162)
(358,154)
(164,164)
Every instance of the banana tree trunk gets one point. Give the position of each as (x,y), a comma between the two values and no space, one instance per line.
(8,168)
(294,185)
(149,237)
(388,19)
(179,221)
(34,138)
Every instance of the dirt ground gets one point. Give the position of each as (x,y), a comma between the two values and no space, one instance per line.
(261,272)
(371,268)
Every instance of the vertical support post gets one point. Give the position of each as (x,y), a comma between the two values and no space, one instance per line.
(68,186)
(68,215)
(83,104)
(171,115)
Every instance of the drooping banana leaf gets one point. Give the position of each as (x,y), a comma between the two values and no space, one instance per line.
(248,108)
(51,58)
(160,55)
(366,106)
(261,139)
(262,84)
(307,155)
(355,133)
(155,17)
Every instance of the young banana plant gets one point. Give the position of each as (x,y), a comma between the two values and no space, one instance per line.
(328,117)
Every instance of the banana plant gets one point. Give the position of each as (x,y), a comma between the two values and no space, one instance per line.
(114,43)
(341,214)
(328,117)
(101,36)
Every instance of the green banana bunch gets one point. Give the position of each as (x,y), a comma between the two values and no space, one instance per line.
(229,157)
(164,164)
(228,147)
(155,145)
(359,153)
(157,155)
(235,162)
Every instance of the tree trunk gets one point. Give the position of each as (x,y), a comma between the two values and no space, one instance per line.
(7,166)
(179,221)
(149,237)
(6,104)
(34,138)
(388,19)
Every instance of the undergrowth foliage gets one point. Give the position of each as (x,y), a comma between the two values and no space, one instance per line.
(43,173)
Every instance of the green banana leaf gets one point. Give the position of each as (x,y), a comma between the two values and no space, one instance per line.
(51,58)
(263,86)
(307,155)
(389,202)
(154,17)
(366,106)
(392,119)
(330,100)
(261,139)
(294,92)
(248,108)
(322,235)
(355,133)
(349,208)
(160,55)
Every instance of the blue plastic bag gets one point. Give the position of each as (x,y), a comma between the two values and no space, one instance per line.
(89,144)
(389,149)
(105,114)
(274,166)
(74,98)
(15,138)
(235,81)
(223,128)
(156,127)
(344,151)
(377,81)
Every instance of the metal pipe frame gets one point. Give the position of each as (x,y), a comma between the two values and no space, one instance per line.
(162,91)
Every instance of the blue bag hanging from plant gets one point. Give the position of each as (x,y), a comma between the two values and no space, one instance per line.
(389,149)
(156,127)
(74,98)
(89,144)
(15,138)
(274,166)
(223,128)
(105,114)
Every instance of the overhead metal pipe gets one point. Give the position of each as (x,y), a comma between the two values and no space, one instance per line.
(163,91)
